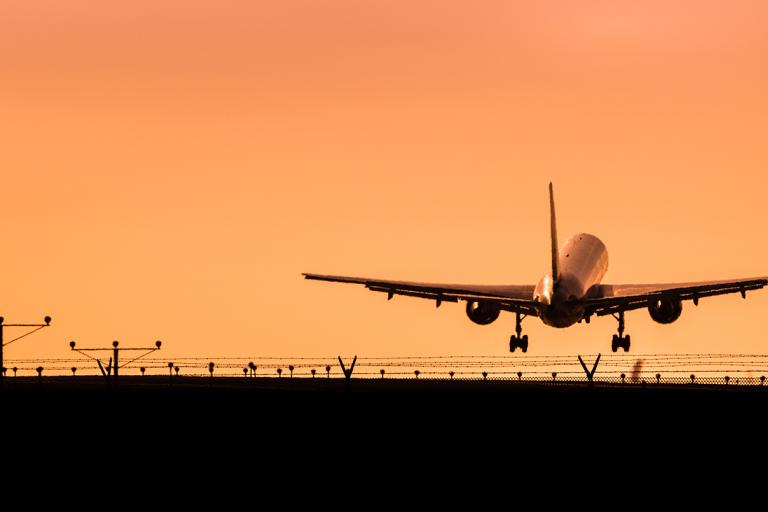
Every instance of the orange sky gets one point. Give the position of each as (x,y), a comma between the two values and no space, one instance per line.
(170,168)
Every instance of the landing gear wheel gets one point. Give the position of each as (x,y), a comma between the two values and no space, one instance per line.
(517,340)
(619,340)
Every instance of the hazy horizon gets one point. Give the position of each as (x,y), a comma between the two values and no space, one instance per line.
(171,168)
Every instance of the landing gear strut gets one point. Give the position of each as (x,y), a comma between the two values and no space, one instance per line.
(620,340)
(516,340)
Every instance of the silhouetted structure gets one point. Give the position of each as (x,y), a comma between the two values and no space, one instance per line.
(347,371)
(590,374)
(3,343)
(112,371)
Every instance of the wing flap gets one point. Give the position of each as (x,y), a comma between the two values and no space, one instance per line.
(517,298)
(611,299)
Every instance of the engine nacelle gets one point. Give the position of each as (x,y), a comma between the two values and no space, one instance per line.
(666,310)
(482,313)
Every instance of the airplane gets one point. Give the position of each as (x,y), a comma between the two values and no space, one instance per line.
(570,293)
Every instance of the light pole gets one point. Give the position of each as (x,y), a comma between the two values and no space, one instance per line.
(116,353)
(35,328)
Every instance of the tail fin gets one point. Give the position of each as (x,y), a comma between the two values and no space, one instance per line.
(553,234)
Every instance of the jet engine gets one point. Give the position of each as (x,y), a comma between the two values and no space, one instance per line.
(482,313)
(666,310)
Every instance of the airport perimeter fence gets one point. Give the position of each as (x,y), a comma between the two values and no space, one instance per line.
(613,369)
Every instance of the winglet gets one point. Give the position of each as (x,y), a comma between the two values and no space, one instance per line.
(553,234)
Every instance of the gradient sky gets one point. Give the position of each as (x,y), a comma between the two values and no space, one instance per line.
(170,168)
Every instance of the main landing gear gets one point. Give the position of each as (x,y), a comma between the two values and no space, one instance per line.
(620,340)
(516,340)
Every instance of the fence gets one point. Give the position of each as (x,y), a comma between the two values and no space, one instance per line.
(648,369)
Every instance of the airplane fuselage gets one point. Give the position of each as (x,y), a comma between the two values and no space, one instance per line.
(582,263)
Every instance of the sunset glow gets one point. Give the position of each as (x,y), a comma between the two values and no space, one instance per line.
(169,169)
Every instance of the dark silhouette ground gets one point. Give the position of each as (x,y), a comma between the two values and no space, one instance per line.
(222,403)
(322,429)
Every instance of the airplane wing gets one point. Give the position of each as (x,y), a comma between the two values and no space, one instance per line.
(609,299)
(516,298)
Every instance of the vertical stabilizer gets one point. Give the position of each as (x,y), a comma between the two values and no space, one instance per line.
(553,234)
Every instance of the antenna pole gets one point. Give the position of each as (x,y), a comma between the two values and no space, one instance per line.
(116,365)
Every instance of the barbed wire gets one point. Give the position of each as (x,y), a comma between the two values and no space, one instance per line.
(671,368)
